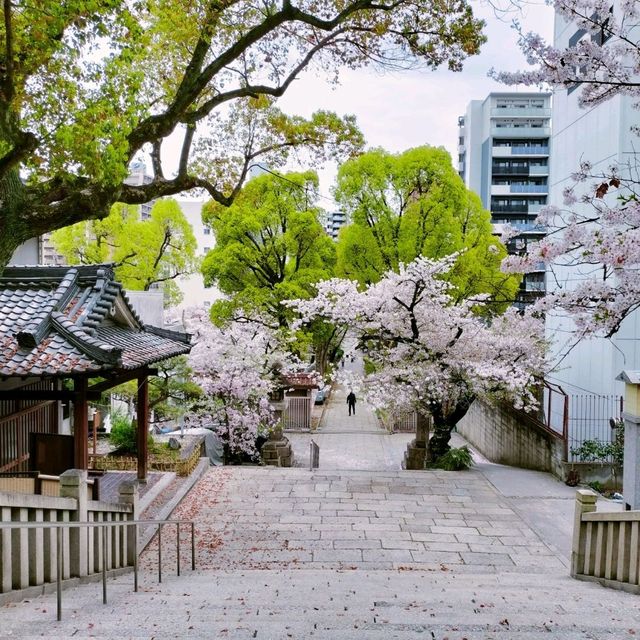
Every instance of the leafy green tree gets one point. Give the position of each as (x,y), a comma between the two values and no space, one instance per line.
(85,85)
(146,252)
(412,204)
(171,392)
(270,247)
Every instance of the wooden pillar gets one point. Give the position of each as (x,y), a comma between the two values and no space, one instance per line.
(143,426)
(80,424)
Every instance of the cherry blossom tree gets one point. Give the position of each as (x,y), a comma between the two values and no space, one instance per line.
(237,366)
(596,233)
(428,353)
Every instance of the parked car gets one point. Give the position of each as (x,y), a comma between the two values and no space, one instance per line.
(322,395)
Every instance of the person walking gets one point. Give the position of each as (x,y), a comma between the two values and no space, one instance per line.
(351,402)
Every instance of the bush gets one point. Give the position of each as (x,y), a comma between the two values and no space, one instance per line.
(455,460)
(123,433)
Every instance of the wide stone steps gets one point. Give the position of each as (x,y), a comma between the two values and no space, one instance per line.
(329,605)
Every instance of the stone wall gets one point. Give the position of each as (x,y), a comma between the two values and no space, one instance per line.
(508,437)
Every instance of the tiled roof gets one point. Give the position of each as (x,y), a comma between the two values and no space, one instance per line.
(300,380)
(59,321)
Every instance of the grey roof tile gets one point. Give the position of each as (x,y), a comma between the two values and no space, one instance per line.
(55,321)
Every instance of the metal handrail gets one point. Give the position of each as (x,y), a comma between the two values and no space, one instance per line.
(114,523)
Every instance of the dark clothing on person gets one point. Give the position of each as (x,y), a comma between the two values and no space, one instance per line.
(351,402)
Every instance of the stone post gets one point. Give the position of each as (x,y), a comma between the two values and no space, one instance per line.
(585,503)
(73,484)
(128,491)
(631,416)
(416,452)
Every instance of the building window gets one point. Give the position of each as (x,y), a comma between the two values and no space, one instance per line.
(206,230)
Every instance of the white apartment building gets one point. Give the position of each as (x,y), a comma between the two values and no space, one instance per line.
(192,287)
(503,155)
(333,222)
(601,135)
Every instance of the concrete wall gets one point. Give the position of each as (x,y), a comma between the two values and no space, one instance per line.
(507,437)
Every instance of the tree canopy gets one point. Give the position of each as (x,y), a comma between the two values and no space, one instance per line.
(85,85)
(429,352)
(411,204)
(270,245)
(145,252)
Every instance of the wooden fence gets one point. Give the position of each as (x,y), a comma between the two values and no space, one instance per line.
(606,545)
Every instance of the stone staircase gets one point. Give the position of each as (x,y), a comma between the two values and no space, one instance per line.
(336,555)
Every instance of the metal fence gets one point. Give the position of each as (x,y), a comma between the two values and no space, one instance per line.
(60,537)
(297,413)
(589,419)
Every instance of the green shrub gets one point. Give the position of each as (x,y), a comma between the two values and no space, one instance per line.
(123,434)
(596,486)
(455,460)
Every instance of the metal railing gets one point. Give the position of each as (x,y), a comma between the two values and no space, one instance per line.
(61,526)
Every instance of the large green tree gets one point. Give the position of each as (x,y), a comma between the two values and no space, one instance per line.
(145,252)
(85,85)
(412,204)
(270,247)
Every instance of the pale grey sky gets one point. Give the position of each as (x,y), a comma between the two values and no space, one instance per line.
(406,109)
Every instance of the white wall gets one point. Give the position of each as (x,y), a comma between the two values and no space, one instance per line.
(195,293)
(600,135)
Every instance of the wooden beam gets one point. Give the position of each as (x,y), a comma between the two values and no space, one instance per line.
(81,424)
(143,426)
(120,378)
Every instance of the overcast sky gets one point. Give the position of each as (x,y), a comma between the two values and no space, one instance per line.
(406,109)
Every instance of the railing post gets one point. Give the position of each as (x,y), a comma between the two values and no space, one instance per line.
(59,567)
(73,484)
(159,552)
(178,548)
(193,546)
(585,503)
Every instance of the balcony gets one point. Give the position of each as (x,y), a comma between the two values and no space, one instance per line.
(534,209)
(538,150)
(528,226)
(537,170)
(507,152)
(508,189)
(520,132)
(513,170)
(529,188)
(515,112)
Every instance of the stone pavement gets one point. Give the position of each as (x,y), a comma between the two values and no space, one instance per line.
(285,553)
(351,442)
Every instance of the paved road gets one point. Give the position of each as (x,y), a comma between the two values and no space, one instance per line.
(356,549)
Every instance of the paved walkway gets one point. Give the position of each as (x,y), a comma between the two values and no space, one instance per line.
(284,553)
(351,442)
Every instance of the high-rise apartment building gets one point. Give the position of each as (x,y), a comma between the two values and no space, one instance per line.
(333,222)
(601,134)
(503,155)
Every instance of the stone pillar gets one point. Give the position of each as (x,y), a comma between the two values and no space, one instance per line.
(416,452)
(276,451)
(73,484)
(585,503)
(631,416)
(128,491)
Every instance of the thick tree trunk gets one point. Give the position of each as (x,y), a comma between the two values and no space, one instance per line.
(13,229)
(445,418)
